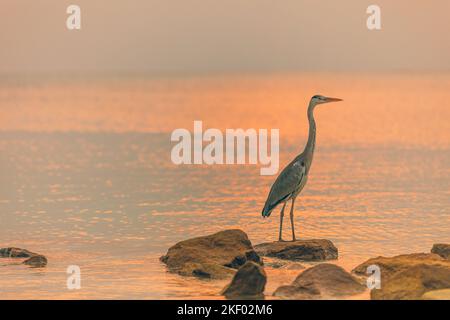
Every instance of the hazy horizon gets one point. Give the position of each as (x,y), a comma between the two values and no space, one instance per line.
(200,37)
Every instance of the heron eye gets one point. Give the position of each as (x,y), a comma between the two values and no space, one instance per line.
(303,164)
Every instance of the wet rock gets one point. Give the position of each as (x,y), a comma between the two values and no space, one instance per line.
(300,250)
(34,259)
(413,283)
(391,265)
(274,264)
(293,292)
(37,261)
(437,295)
(408,276)
(12,252)
(322,281)
(441,249)
(248,282)
(215,256)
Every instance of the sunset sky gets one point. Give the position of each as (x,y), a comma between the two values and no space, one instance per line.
(223,36)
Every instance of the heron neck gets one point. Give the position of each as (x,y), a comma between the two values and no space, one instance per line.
(310,145)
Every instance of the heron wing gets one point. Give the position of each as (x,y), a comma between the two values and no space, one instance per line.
(286,183)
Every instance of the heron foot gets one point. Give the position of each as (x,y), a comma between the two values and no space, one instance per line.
(281,240)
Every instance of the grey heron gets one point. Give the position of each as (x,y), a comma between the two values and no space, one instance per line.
(294,176)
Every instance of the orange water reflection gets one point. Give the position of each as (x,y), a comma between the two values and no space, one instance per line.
(411,109)
(112,201)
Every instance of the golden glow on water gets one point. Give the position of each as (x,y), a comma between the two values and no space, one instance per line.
(104,194)
(410,109)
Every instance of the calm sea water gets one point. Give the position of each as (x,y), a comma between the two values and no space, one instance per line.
(87,180)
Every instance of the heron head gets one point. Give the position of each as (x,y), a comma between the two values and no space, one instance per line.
(318,99)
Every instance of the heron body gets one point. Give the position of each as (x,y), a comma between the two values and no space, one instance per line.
(292,179)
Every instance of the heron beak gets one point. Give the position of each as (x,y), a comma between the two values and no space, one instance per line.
(333,99)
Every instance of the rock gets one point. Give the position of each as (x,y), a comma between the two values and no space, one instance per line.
(37,261)
(34,259)
(15,253)
(214,256)
(437,295)
(391,265)
(274,264)
(408,276)
(300,250)
(441,249)
(322,281)
(292,292)
(248,282)
(413,283)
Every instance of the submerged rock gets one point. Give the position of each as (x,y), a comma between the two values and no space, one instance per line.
(441,249)
(408,276)
(12,252)
(37,261)
(248,282)
(300,250)
(294,266)
(276,263)
(214,256)
(321,282)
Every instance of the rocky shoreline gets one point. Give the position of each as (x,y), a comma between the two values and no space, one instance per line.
(230,254)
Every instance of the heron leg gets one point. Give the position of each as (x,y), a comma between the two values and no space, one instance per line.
(281,221)
(292,219)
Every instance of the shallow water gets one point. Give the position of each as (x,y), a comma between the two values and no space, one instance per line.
(87,180)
